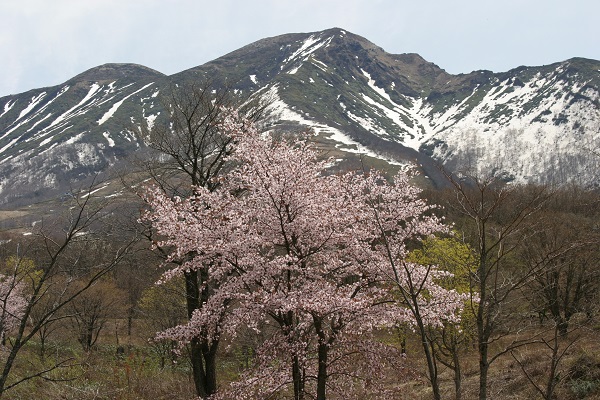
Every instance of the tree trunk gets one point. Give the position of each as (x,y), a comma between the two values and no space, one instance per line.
(482,313)
(203,355)
(297,378)
(457,375)
(130,322)
(563,327)
(483,369)
(210,365)
(427,349)
(9,363)
(192,293)
(431,364)
(198,373)
(552,376)
(322,374)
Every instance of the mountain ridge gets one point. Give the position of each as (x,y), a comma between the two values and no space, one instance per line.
(357,98)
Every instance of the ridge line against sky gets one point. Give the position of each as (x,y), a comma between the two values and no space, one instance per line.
(45,43)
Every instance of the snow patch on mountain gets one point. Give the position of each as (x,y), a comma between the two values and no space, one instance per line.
(34,102)
(8,106)
(93,89)
(39,121)
(305,52)
(410,120)
(74,139)
(111,143)
(101,187)
(517,130)
(282,112)
(319,64)
(46,141)
(118,104)
(150,119)
(110,112)
(9,145)
(303,49)
(294,70)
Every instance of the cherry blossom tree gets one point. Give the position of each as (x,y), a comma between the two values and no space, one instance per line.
(302,255)
(286,249)
(305,267)
(12,303)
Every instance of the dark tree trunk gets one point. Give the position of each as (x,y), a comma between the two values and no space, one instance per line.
(322,374)
(210,360)
(457,375)
(202,353)
(429,356)
(482,313)
(199,372)
(483,369)
(297,378)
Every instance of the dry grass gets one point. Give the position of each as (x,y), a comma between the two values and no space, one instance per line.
(138,374)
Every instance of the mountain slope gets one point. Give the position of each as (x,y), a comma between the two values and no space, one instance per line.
(53,137)
(531,123)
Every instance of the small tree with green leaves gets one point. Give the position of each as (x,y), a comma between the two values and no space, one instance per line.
(450,339)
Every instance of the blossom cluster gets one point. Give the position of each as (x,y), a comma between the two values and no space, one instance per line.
(12,303)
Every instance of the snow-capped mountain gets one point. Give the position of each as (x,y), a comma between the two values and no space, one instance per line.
(537,124)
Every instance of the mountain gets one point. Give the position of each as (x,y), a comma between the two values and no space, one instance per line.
(539,124)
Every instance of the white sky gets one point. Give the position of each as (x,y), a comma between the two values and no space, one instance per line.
(46,42)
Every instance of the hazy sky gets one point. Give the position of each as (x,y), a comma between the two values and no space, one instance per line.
(46,42)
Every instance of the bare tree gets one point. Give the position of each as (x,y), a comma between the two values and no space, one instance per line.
(495,216)
(554,349)
(564,255)
(192,145)
(90,311)
(58,250)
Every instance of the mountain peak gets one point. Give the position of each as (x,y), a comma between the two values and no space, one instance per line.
(114,71)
